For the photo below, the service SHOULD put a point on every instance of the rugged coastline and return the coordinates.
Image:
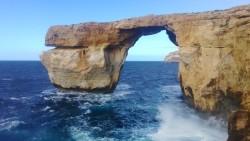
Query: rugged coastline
(214, 67)
(172, 57)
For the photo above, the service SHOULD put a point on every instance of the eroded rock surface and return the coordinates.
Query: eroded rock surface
(239, 126)
(172, 57)
(214, 56)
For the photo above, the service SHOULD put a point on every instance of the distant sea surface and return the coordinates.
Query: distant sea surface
(147, 105)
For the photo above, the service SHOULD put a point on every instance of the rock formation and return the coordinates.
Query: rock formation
(172, 57)
(214, 58)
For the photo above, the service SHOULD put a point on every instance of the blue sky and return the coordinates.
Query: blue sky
(24, 22)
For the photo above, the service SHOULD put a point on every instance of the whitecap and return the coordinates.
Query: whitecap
(6, 79)
(79, 135)
(85, 101)
(25, 98)
(121, 94)
(18, 99)
(123, 86)
(70, 92)
(9, 123)
(14, 98)
(100, 98)
(49, 91)
(61, 92)
(51, 111)
(88, 111)
(46, 108)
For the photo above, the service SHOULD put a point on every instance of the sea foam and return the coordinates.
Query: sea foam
(178, 122)
(9, 123)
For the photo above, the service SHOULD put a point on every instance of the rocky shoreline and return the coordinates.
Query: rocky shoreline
(214, 58)
(172, 57)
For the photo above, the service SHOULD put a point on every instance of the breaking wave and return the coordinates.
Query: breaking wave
(180, 123)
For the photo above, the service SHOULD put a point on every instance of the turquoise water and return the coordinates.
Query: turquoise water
(147, 105)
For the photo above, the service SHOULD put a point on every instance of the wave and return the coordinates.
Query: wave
(22, 99)
(9, 123)
(6, 79)
(79, 134)
(14, 98)
(178, 122)
(85, 99)
(57, 94)
(123, 86)
(62, 92)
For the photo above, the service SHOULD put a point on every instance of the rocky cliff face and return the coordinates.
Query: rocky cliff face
(172, 57)
(214, 58)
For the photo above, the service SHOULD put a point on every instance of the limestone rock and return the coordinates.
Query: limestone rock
(239, 126)
(214, 55)
(172, 57)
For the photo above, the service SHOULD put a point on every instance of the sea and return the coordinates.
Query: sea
(147, 105)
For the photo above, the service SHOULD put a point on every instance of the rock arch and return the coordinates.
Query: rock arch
(214, 57)
(96, 52)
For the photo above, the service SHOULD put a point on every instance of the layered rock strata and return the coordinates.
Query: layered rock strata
(172, 57)
(214, 58)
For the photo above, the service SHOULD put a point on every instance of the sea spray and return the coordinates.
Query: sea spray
(178, 122)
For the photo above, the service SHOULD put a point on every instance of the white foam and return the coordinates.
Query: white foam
(79, 135)
(62, 92)
(122, 90)
(123, 86)
(46, 108)
(121, 94)
(9, 123)
(25, 98)
(88, 111)
(51, 111)
(6, 79)
(20, 99)
(179, 123)
(57, 95)
(14, 98)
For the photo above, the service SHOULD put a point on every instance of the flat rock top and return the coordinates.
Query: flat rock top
(84, 34)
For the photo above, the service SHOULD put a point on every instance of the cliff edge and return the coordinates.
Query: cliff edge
(214, 58)
(173, 57)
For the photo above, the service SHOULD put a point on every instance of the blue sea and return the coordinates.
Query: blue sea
(147, 105)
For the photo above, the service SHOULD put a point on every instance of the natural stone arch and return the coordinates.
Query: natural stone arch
(116, 55)
(214, 57)
(94, 64)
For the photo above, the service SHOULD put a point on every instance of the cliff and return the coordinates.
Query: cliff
(172, 57)
(214, 58)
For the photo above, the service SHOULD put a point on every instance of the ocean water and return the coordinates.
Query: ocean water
(147, 105)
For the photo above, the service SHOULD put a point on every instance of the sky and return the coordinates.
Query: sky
(151, 48)
(24, 23)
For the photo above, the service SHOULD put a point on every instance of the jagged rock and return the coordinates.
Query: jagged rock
(214, 55)
(172, 57)
(239, 126)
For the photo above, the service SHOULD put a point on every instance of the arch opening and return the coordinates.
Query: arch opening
(156, 86)
(153, 47)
